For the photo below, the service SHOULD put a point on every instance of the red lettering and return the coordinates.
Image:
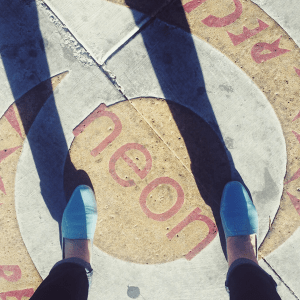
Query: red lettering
(17, 274)
(17, 294)
(120, 153)
(247, 33)
(297, 117)
(297, 135)
(195, 216)
(2, 188)
(3, 154)
(295, 201)
(213, 21)
(294, 177)
(97, 113)
(173, 210)
(10, 115)
(273, 48)
(190, 6)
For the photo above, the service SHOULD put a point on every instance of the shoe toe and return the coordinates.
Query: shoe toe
(238, 213)
(80, 215)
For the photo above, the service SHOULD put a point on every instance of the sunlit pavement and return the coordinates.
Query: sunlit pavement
(156, 105)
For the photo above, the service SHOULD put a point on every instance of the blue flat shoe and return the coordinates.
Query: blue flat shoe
(80, 216)
(238, 213)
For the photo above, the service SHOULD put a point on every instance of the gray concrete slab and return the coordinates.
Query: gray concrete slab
(283, 290)
(166, 62)
(147, 67)
(40, 172)
(226, 86)
(286, 262)
(57, 52)
(100, 26)
(286, 15)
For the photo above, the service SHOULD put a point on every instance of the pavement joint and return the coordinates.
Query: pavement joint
(152, 127)
(83, 51)
(92, 40)
(78, 49)
(132, 34)
(291, 291)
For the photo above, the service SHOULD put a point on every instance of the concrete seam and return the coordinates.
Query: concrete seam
(277, 275)
(133, 33)
(161, 139)
(111, 77)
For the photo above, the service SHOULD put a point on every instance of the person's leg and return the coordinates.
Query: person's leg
(246, 280)
(71, 277)
(67, 280)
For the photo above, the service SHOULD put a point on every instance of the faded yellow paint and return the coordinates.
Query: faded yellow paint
(123, 229)
(276, 78)
(14, 251)
(151, 122)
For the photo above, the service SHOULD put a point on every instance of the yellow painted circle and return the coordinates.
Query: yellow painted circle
(126, 228)
(277, 76)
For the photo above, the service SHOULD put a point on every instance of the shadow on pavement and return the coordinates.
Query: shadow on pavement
(176, 63)
(23, 55)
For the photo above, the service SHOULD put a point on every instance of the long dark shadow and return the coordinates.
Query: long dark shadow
(23, 54)
(176, 64)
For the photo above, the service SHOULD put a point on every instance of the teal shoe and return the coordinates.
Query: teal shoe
(80, 215)
(238, 213)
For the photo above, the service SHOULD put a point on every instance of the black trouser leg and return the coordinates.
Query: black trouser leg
(67, 280)
(248, 281)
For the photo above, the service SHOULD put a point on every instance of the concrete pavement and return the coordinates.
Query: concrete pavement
(156, 107)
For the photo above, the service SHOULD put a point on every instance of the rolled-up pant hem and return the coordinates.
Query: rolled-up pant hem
(248, 281)
(81, 262)
(69, 279)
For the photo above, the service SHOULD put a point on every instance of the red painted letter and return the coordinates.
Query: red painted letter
(297, 135)
(13, 277)
(17, 294)
(190, 6)
(297, 117)
(173, 210)
(213, 21)
(121, 153)
(100, 112)
(295, 201)
(247, 33)
(3, 154)
(294, 177)
(195, 216)
(10, 115)
(273, 48)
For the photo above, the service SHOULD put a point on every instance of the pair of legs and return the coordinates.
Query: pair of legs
(70, 278)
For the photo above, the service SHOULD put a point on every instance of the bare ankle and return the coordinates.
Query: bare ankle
(78, 248)
(243, 246)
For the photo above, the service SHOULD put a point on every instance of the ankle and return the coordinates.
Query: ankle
(241, 247)
(78, 248)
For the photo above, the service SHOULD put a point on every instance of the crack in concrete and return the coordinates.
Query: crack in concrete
(71, 46)
(79, 51)
(133, 33)
(102, 65)
(280, 278)
(119, 46)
